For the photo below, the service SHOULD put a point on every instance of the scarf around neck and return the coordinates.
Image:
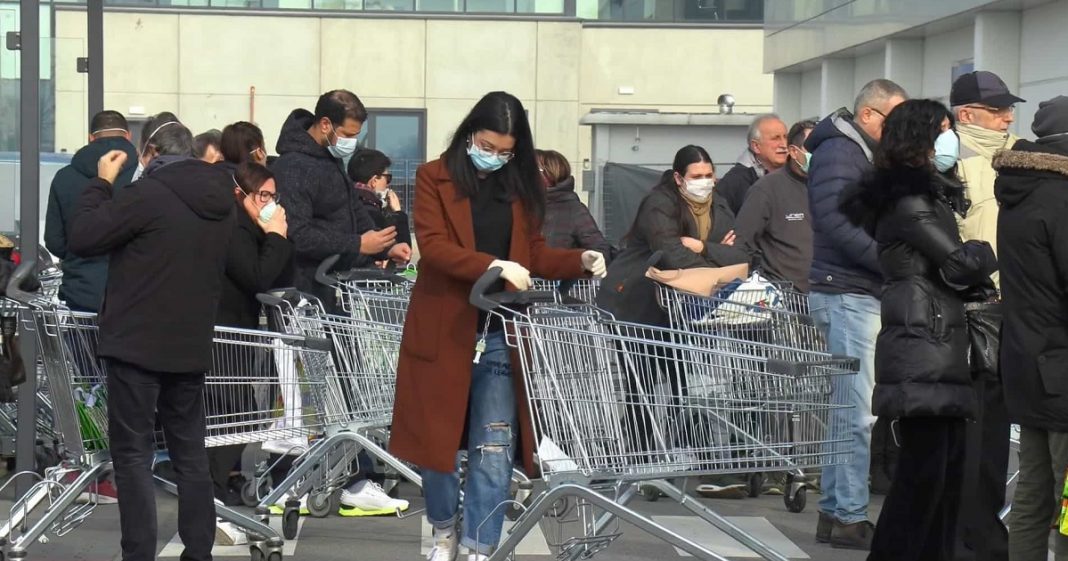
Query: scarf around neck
(702, 213)
(985, 142)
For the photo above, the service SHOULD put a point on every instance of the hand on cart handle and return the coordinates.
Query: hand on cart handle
(489, 302)
(593, 261)
(23, 277)
(512, 272)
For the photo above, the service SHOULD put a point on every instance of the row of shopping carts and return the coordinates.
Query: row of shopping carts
(739, 383)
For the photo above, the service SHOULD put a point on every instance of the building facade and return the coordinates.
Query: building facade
(820, 52)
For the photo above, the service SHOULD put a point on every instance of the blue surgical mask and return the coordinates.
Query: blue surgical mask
(344, 147)
(947, 150)
(804, 162)
(485, 161)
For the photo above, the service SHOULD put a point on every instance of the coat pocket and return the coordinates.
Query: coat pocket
(1053, 370)
(422, 328)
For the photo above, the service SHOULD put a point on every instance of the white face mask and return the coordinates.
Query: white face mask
(700, 188)
(268, 211)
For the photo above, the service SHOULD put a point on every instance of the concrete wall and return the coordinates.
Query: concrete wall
(1043, 72)
(940, 52)
(202, 67)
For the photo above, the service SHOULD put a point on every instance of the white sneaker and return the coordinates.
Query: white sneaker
(446, 543)
(287, 447)
(228, 534)
(476, 557)
(366, 498)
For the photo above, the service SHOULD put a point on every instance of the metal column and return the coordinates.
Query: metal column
(29, 215)
(95, 17)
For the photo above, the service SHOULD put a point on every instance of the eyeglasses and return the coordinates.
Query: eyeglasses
(388, 177)
(999, 111)
(267, 196)
(881, 114)
(506, 155)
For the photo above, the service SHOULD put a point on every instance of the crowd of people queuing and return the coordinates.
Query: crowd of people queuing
(889, 215)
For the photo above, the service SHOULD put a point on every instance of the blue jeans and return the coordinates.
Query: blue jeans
(851, 323)
(490, 453)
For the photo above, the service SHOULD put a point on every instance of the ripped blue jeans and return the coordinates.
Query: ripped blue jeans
(491, 447)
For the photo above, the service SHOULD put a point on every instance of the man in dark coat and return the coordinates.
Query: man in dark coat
(844, 300)
(1032, 188)
(325, 216)
(764, 153)
(167, 236)
(775, 225)
(84, 277)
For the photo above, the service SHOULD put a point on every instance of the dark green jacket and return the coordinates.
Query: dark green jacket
(83, 277)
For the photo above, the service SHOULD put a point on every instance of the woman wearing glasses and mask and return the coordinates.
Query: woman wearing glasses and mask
(480, 206)
(259, 258)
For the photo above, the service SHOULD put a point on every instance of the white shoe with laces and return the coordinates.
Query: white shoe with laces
(446, 544)
(367, 498)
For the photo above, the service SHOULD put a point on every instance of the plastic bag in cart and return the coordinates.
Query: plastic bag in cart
(91, 407)
(740, 303)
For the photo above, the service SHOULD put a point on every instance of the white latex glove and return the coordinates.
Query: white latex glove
(514, 273)
(593, 261)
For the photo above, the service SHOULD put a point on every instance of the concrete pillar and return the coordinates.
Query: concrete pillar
(787, 96)
(904, 64)
(836, 85)
(997, 46)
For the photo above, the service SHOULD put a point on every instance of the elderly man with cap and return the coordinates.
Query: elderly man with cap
(1032, 188)
(984, 108)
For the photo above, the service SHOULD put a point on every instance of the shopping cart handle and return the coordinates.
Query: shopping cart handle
(24, 274)
(319, 344)
(321, 272)
(277, 297)
(490, 302)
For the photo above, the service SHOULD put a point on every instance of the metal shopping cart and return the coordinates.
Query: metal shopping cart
(745, 318)
(575, 291)
(619, 403)
(240, 363)
(357, 405)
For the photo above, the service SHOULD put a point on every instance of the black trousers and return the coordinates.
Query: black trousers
(919, 516)
(135, 397)
(983, 537)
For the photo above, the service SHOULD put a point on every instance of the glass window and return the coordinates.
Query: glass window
(675, 11)
(439, 5)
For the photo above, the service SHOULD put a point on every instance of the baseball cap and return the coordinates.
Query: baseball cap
(981, 87)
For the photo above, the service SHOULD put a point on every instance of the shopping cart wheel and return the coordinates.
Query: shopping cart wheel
(795, 497)
(756, 484)
(522, 493)
(290, 522)
(320, 505)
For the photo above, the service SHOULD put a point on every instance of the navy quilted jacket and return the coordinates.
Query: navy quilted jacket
(845, 257)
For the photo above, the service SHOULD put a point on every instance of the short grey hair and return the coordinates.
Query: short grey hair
(754, 127)
(174, 140)
(876, 93)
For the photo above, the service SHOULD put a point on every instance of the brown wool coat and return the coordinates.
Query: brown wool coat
(434, 371)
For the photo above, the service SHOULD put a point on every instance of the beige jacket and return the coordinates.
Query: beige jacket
(977, 174)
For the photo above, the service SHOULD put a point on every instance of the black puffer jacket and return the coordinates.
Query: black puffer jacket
(662, 220)
(1032, 188)
(921, 355)
(568, 223)
(324, 215)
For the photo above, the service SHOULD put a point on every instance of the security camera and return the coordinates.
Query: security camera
(726, 104)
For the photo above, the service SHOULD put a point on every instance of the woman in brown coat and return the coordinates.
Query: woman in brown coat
(480, 206)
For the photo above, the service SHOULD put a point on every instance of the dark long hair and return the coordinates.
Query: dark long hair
(501, 113)
(686, 156)
(909, 134)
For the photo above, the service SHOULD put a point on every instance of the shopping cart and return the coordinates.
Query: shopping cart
(241, 362)
(376, 295)
(357, 405)
(626, 404)
(575, 291)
